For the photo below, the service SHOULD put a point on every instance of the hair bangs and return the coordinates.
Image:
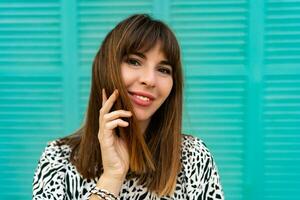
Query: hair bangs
(142, 38)
(169, 46)
(145, 34)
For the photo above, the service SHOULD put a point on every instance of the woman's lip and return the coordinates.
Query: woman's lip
(139, 101)
(140, 93)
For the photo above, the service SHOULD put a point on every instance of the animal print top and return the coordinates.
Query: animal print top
(56, 178)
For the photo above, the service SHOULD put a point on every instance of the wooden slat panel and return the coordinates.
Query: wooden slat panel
(213, 37)
(31, 89)
(281, 138)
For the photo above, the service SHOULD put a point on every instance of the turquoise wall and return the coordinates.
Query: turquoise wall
(242, 92)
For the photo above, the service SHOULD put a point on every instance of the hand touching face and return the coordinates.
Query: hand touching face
(114, 151)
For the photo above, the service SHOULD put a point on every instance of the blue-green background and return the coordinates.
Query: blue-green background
(242, 93)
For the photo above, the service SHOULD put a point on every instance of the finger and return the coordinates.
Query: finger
(116, 114)
(110, 102)
(104, 97)
(115, 123)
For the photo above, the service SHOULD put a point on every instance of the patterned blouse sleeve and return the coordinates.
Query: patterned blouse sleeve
(203, 180)
(48, 180)
(213, 185)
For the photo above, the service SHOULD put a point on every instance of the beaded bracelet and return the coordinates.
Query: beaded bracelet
(104, 194)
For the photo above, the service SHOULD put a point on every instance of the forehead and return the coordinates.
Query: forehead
(154, 50)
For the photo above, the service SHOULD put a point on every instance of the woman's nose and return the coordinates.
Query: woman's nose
(148, 77)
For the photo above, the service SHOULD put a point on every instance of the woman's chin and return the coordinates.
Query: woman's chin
(141, 115)
(143, 120)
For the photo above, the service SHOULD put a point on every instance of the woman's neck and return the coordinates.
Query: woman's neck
(143, 125)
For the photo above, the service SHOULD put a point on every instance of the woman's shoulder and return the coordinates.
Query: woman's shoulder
(49, 176)
(194, 150)
(199, 169)
(193, 143)
(57, 152)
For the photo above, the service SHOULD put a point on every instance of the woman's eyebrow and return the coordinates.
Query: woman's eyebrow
(138, 54)
(165, 62)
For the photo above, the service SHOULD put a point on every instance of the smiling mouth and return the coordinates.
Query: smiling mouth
(142, 97)
(140, 100)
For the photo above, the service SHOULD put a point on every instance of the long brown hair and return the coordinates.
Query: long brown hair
(155, 155)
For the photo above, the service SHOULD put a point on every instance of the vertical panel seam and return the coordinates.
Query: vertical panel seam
(254, 112)
(70, 64)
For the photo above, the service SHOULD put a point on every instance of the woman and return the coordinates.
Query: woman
(131, 145)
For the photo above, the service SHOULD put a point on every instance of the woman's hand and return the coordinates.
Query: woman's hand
(114, 151)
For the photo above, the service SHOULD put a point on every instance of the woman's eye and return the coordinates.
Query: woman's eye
(133, 62)
(165, 71)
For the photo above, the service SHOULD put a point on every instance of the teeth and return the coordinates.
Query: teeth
(143, 98)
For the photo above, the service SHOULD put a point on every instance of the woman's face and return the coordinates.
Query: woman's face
(148, 79)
